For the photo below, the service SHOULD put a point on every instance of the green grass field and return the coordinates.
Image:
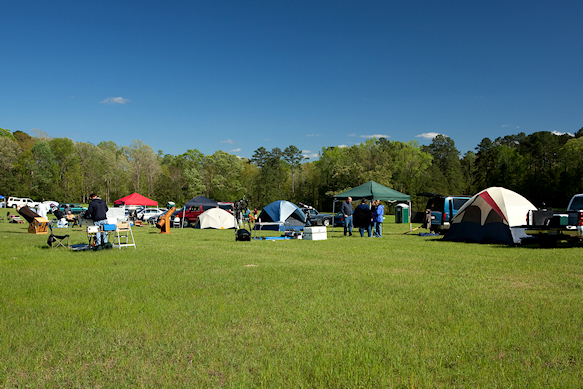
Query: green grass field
(194, 308)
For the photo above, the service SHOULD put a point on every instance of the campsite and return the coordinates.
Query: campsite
(195, 308)
(291, 194)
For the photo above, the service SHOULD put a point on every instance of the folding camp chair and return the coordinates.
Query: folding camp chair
(123, 230)
(55, 241)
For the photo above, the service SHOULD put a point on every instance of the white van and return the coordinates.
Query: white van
(15, 202)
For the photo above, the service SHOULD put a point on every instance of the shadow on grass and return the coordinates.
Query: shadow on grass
(530, 245)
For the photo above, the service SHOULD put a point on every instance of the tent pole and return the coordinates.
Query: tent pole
(333, 213)
(410, 221)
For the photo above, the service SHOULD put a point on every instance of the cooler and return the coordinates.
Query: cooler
(315, 233)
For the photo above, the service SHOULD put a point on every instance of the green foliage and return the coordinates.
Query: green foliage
(270, 182)
(542, 166)
(44, 170)
(143, 167)
(293, 156)
(9, 153)
(445, 171)
(4, 133)
(222, 176)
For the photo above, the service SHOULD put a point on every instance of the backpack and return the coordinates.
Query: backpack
(242, 235)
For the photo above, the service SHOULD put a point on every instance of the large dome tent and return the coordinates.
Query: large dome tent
(287, 214)
(494, 215)
(216, 218)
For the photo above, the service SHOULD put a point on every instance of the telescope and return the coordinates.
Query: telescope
(37, 224)
(164, 221)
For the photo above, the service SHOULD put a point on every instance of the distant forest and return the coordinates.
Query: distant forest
(542, 166)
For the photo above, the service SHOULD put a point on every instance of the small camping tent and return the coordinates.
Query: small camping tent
(216, 218)
(287, 214)
(135, 199)
(495, 215)
(373, 190)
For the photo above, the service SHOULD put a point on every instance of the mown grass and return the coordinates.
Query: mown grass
(196, 309)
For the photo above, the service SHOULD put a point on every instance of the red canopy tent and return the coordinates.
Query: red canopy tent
(135, 199)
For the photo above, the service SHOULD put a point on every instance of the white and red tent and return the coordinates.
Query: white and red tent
(494, 215)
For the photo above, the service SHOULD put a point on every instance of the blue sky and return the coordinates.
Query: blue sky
(238, 75)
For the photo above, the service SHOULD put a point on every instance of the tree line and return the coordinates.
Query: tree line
(542, 166)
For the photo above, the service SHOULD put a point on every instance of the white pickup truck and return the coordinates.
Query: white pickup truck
(552, 226)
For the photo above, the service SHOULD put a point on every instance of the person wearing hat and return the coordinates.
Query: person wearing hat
(97, 211)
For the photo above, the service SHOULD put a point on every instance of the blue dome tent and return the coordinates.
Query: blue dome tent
(284, 212)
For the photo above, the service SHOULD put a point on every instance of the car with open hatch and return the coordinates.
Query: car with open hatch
(443, 209)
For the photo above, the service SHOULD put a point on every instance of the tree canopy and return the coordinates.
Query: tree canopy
(543, 167)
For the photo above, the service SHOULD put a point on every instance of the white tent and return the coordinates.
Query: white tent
(216, 218)
(495, 215)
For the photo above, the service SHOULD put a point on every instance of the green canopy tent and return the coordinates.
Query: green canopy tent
(373, 190)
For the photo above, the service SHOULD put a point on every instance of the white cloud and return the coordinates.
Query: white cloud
(306, 151)
(114, 100)
(311, 156)
(378, 136)
(342, 146)
(351, 134)
(427, 135)
(505, 125)
(562, 133)
(235, 150)
(229, 141)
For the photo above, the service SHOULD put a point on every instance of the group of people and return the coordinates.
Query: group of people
(249, 216)
(63, 217)
(364, 217)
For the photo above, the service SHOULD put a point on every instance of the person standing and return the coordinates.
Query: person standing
(42, 209)
(346, 210)
(378, 217)
(363, 218)
(97, 211)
